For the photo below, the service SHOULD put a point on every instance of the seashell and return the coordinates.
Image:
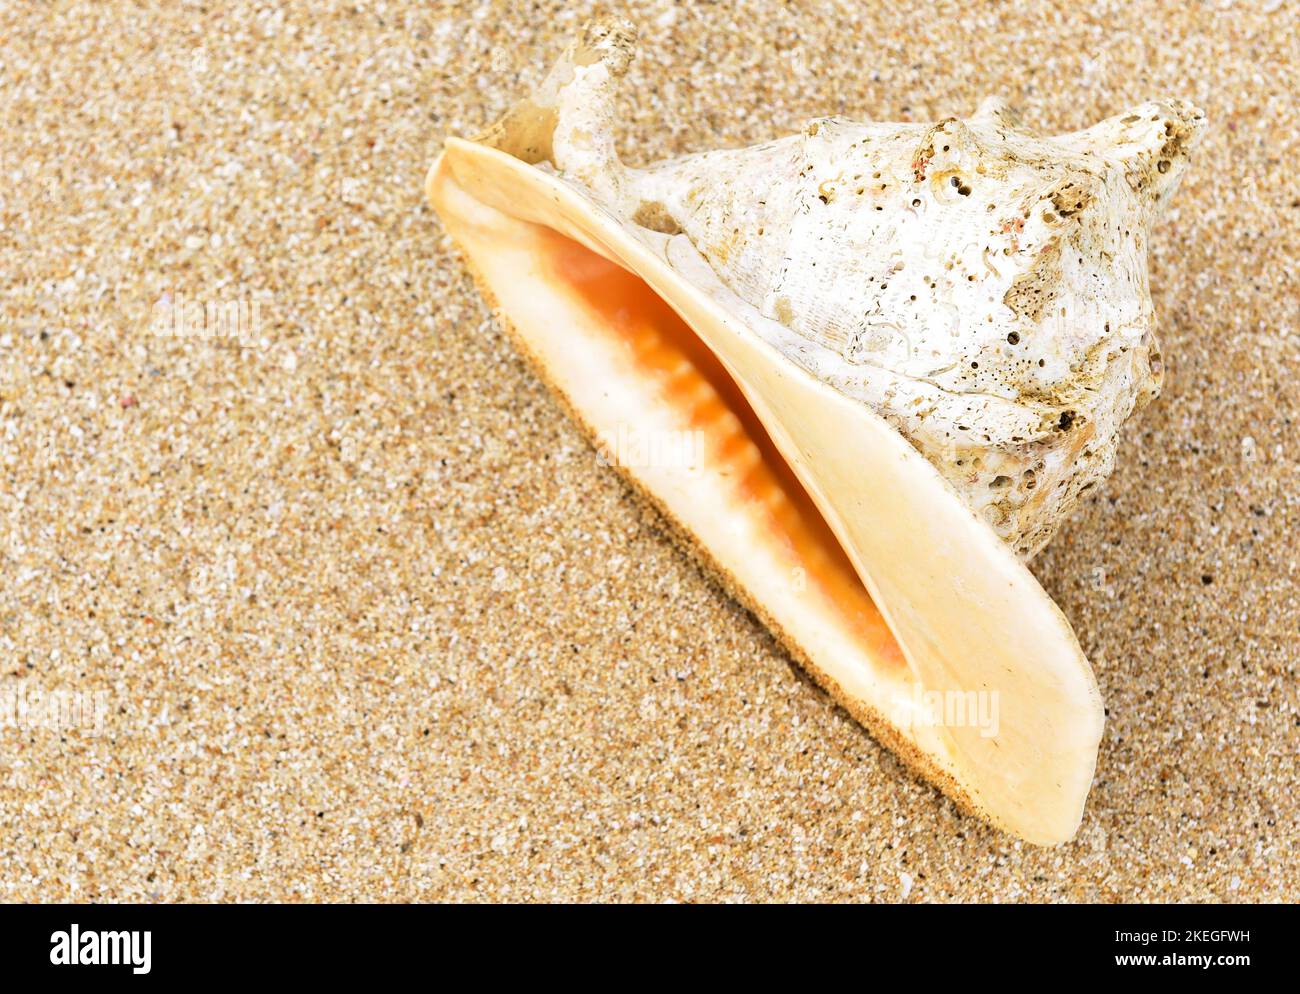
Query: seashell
(905, 351)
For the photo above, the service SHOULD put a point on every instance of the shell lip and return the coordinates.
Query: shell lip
(983, 554)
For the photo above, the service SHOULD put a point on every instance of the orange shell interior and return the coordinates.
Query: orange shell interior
(664, 350)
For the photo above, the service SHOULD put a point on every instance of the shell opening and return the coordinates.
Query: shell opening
(737, 461)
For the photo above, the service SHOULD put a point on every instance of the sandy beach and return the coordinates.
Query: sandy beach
(309, 590)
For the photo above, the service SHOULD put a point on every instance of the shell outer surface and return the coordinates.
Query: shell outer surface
(982, 287)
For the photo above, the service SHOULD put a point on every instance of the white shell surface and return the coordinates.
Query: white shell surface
(982, 287)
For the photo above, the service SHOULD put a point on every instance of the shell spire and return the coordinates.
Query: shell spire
(569, 120)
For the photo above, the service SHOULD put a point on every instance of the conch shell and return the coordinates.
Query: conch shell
(907, 349)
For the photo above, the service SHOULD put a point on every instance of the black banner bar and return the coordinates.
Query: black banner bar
(143, 944)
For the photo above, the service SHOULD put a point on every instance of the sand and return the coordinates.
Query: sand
(344, 608)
